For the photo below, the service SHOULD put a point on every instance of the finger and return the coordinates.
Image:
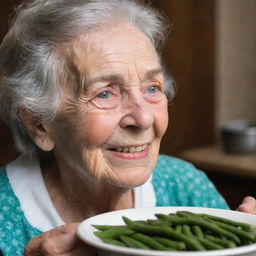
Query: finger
(33, 248)
(61, 240)
(54, 242)
(248, 205)
(82, 251)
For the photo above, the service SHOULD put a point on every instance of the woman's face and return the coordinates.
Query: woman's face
(110, 126)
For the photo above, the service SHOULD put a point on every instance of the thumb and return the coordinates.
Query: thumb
(248, 205)
(65, 238)
(59, 241)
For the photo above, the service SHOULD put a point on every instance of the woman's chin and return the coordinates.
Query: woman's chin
(131, 178)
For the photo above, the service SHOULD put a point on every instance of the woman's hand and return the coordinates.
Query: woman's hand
(59, 241)
(248, 205)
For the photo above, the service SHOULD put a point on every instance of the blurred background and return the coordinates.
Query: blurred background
(211, 53)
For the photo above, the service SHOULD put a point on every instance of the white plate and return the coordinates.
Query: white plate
(86, 231)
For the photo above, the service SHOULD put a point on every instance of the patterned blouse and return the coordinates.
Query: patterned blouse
(175, 183)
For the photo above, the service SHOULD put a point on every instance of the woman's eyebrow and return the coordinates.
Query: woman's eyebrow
(120, 79)
(106, 78)
(151, 73)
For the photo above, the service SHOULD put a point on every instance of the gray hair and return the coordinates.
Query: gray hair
(31, 68)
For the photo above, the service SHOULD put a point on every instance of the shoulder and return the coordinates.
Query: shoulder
(7, 197)
(172, 167)
(176, 173)
(5, 187)
(15, 231)
(180, 183)
(170, 162)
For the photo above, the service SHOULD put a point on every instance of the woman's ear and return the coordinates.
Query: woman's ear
(39, 132)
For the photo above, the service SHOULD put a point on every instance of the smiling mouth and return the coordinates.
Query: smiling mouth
(130, 149)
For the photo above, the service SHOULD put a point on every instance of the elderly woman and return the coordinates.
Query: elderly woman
(85, 93)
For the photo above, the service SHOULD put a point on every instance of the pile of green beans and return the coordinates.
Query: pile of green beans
(182, 231)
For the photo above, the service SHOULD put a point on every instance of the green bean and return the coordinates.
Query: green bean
(178, 228)
(170, 243)
(141, 221)
(187, 231)
(236, 228)
(209, 244)
(178, 231)
(166, 217)
(113, 242)
(157, 222)
(223, 242)
(163, 230)
(113, 232)
(105, 227)
(197, 231)
(239, 232)
(246, 242)
(193, 220)
(130, 242)
(244, 226)
(153, 244)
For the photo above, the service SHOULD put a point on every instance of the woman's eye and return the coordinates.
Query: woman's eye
(107, 99)
(105, 95)
(153, 89)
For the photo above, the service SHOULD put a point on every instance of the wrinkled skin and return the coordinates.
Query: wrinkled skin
(60, 241)
(248, 205)
(63, 240)
(123, 105)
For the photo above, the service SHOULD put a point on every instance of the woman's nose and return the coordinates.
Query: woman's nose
(137, 114)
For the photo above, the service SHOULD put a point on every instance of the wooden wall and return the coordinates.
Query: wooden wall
(189, 55)
(7, 148)
(235, 60)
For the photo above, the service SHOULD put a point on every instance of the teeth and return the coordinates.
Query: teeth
(131, 149)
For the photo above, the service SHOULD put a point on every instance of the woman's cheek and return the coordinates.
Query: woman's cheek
(94, 163)
(97, 128)
(165, 122)
(161, 119)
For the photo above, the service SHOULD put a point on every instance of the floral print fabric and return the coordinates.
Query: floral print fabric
(176, 183)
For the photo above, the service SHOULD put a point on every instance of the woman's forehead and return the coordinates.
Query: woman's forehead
(111, 47)
(124, 37)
